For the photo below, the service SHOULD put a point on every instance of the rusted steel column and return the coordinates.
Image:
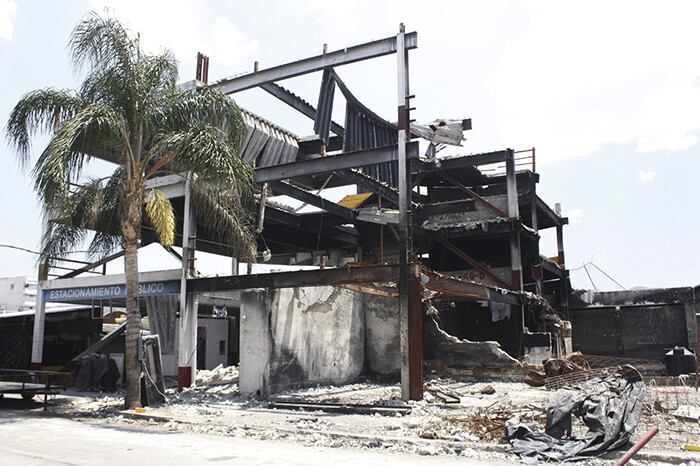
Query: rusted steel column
(415, 334)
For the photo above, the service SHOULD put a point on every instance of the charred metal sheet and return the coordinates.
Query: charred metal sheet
(333, 163)
(339, 276)
(298, 103)
(364, 129)
(322, 120)
(347, 55)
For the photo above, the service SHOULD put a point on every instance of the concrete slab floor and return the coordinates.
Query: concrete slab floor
(28, 438)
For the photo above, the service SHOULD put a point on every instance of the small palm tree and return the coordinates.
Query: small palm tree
(129, 111)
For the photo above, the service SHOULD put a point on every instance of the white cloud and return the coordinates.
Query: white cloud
(646, 177)
(229, 44)
(8, 8)
(587, 75)
(574, 216)
(182, 27)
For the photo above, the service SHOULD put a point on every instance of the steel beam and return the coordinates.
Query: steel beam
(318, 277)
(373, 185)
(455, 287)
(298, 104)
(287, 189)
(473, 194)
(458, 163)
(470, 260)
(344, 161)
(344, 56)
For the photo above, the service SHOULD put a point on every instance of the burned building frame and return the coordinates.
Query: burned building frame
(453, 236)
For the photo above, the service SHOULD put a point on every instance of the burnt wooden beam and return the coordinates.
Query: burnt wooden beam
(320, 277)
(333, 163)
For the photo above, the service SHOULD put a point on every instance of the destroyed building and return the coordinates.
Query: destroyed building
(427, 260)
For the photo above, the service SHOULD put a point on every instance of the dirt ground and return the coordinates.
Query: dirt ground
(455, 418)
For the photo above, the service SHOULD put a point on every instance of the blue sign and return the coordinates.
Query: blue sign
(110, 291)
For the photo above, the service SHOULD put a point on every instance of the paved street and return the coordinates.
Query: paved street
(37, 438)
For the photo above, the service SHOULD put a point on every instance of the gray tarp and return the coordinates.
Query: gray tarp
(609, 407)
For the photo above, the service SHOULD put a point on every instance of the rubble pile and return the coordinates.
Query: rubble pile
(455, 418)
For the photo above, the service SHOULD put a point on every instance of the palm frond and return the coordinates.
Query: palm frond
(98, 42)
(205, 150)
(41, 110)
(94, 129)
(160, 213)
(225, 217)
(206, 107)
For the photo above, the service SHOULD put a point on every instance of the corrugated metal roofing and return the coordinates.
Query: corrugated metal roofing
(266, 143)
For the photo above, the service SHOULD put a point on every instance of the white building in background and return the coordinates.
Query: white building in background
(17, 294)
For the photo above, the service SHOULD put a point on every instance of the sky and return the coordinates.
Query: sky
(607, 92)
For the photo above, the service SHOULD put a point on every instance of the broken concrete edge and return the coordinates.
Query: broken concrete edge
(146, 416)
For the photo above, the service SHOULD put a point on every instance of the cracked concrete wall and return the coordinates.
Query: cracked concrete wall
(317, 336)
(451, 351)
(382, 339)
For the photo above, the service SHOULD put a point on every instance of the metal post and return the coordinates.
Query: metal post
(39, 314)
(513, 214)
(38, 334)
(535, 226)
(187, 348)
(411, 336)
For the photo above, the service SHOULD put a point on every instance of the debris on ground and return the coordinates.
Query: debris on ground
(609, 407)
(454, 418)
(488, 390)
(220, 375)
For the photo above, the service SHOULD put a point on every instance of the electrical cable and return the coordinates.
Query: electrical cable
(611, 278)
(589, 277)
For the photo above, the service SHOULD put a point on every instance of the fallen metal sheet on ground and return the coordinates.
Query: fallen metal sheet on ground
(348, 408)
(610, 407)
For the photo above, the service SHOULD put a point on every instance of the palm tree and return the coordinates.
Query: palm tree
(129, 111)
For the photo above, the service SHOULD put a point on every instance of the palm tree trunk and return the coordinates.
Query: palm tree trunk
(131, 222)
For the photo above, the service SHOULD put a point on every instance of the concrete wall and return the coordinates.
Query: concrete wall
(317, 335)
(302, 336)
(634, 324)
(382, 339)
